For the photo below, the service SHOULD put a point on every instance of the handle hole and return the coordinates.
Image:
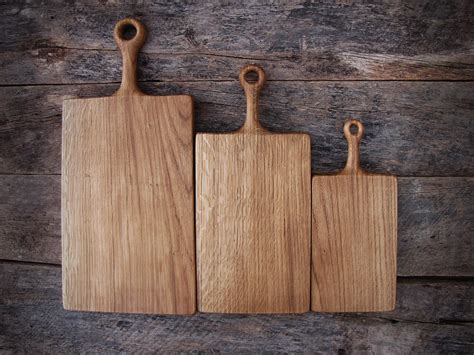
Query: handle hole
(251, 77)
(127, 32)
(354, 129)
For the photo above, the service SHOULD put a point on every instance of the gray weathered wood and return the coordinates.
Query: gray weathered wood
(32, 319)
(30, 218)
(436, 223)
(436, 226)
(412, 128)
(58, 65)
(193, 41)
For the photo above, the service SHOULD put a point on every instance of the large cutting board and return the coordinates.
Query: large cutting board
(127, 197)
(253, 216)
(354, 245)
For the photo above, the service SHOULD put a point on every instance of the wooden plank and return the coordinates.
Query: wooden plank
(296, 40)
(61, 65)
(436, 221)
(430, 317)
(253, 216)
(354, 236)
(30, 218)
(421, 128)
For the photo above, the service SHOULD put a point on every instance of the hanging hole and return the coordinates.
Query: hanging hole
(354, 129)
(251, 77)
(127, 32)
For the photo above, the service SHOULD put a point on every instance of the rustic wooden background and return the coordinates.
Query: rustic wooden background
(405, 68)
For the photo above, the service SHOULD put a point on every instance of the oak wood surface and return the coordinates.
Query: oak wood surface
(354, 236)
(253, 218)
(127, 198)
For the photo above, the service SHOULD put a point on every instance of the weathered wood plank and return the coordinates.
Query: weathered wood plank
(30, 218)
(32, 319)
(412, 128)
(436, 226)
(192, 41)
(436, 223)
(58, 65)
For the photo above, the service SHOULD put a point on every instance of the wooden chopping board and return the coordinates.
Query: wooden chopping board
(128, 197)
(354, 239)
(253, 216)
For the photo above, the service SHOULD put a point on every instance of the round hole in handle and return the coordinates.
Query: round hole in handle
(252, 75)
(353, 128)
(127, 32)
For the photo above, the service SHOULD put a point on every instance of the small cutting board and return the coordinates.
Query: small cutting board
(128, 197)
(253, 216)
(354, 245)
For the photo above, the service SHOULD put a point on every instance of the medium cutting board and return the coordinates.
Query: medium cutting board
(253, 216)
(128, 197)
(354, 245)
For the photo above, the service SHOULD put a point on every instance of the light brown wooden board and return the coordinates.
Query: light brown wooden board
(354, 243)
(253, 217)
(128, 199)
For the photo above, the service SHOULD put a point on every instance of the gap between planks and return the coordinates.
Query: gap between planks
(230, 80)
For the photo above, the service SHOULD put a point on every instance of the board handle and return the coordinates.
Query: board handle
(130, 48)
(353, 141)
(252, 92)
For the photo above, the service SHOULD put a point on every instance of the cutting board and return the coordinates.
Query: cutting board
(354, 242)
(128, 197)
(253, 216)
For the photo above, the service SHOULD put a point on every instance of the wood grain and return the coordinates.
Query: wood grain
(431, 316)
(295, 40)
(127, 198)
(354, 249)
(435, 222)
(196, 50)
(253, 217)
(429, 123)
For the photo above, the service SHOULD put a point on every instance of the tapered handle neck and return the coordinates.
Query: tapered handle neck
(252, 92)
(353, 141)
(130, 47)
